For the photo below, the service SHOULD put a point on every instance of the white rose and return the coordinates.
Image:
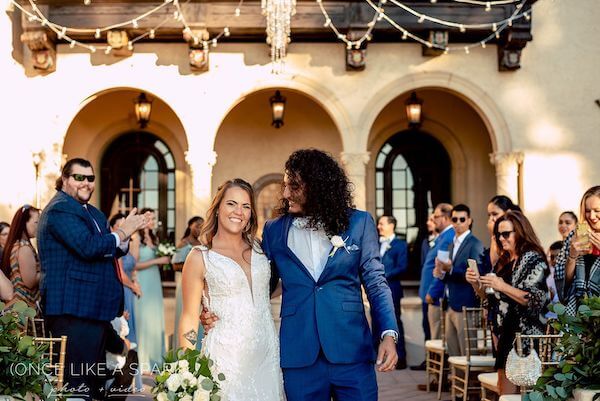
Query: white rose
(186, 397)
(188, 379)
(173, 382)
(337, 241)
(184, 365)
(162, 396)
(201, 395)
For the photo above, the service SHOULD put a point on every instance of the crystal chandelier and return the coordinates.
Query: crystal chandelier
(279, 15)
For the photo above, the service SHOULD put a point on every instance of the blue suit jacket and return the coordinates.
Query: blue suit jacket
(395, 261)
(429, 284)
(77, 262)
(460, 292)
(328, 314)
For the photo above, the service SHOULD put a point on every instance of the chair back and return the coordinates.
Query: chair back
(543, 344)
(478, 338)
(55, 354)
(36, 327)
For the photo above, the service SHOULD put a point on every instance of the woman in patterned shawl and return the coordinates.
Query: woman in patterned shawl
(577, 270)
(520, 298)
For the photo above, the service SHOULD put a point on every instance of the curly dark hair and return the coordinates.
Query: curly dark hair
(327, 190)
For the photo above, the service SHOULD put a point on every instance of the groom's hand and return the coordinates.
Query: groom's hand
(387, 356)
(208, 319)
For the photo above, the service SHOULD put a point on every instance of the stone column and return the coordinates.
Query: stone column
(355, 165)
(508, 169)
(201, 166)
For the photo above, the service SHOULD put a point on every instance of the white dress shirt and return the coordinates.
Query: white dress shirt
(458, 242)
(385, 244)
(310, 245)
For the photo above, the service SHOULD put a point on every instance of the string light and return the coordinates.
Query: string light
(379, 15)
(87, 2)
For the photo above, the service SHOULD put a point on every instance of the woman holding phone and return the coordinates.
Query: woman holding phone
(577, 270)
(518, 302)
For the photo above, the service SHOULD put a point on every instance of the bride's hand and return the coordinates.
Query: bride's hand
(207, 319)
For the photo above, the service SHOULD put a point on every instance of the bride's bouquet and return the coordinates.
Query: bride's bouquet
(186, 376)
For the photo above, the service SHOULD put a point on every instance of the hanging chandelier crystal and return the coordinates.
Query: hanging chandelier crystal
(279, 16)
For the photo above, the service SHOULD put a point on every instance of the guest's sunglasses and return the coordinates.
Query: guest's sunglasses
(81, 177)
(505, 234)
(457, 219)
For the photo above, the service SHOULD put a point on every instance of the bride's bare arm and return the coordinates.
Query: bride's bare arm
(192, 285)
(278, 290)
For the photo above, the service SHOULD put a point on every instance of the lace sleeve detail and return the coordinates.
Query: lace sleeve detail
(531, 278)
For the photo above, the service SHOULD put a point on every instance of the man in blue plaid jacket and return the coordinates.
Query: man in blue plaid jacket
(81, 287)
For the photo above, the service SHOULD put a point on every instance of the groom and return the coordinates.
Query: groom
(324, 250)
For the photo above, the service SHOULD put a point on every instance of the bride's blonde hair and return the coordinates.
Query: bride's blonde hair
(211, 224)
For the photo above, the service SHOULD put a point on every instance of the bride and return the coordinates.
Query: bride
(230, 275)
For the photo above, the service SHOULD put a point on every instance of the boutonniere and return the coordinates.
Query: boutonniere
(338, 243)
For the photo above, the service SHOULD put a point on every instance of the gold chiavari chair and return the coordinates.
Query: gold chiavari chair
(478, 358)
(55, 353)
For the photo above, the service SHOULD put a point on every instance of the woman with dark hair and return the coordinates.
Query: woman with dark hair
(577, 270)
(4, 228)
(230, 275)
(6, 288)
(188, 241)
(516, 294)
(20, 261)
(497, 207)
(567, 221)
(149, 308)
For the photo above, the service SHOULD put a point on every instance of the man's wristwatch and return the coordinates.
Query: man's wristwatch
(392, 334)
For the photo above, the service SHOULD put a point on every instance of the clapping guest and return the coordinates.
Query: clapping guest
(517, 295)
(149, 309)
(20, 261)
(188, 241)
(577, 270)
(567, 221)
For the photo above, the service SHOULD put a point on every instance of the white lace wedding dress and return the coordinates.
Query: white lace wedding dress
(243, 344)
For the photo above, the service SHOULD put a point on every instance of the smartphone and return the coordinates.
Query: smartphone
(472, 263)
(583, 236)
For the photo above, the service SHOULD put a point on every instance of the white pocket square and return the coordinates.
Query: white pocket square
(353, 247)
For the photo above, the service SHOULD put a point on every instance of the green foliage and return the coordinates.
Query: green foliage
(21, 361)
(579, 351)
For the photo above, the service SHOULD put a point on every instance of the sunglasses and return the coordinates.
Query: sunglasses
(505, 234)
(82, 177)
(457, 219)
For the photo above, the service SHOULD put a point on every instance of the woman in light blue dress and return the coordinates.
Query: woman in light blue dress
(189, 240)
(131, 290)
(149, 308)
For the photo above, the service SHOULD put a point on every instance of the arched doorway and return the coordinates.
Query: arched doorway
(138, 170)
(249, 147)
(412, 175)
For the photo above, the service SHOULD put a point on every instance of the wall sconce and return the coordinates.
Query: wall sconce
(143, 108)
(413, 110)
(37, 158)
(278, 109)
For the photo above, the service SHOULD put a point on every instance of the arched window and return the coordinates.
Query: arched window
(138, 170)
(412, 175)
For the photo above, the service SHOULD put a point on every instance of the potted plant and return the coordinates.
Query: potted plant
(22, 374)
(579, 351)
